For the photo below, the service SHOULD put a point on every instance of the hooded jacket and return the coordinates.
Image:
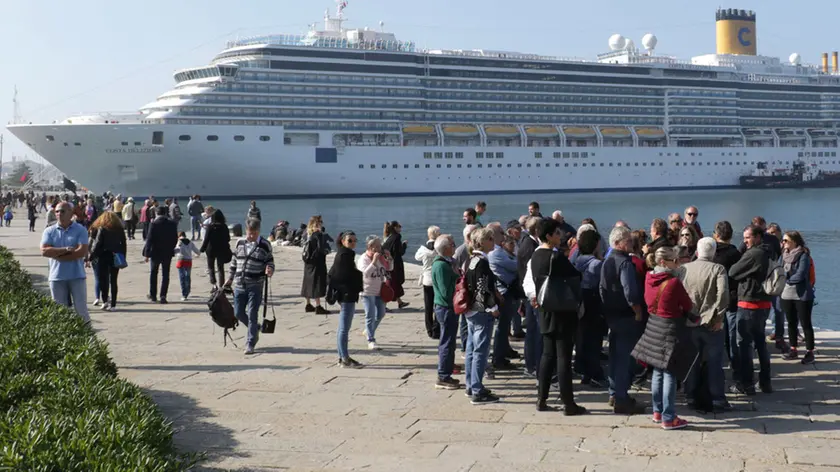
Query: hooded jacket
(426, 255)
(727, 255)
(750, 272)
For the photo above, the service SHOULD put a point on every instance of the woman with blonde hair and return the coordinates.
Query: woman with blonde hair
(394, 244)
(315, 267)
(426, 255)
(107, 252)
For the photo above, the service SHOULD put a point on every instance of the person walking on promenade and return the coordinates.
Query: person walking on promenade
(252, 262)
(727, 255)
(315, 267)
(253, 211)
(108, 242)
(393, 243)
(481, 285)
(533, 339)
(444, 279)
(43, 202)
(129, 217)
(51, 218)
(426, 255)
(117, 206)
(66, 245)
(503, 264)
(374, 265)
(216, 246)
(8, 215)
(144, 218)
(347, 281)
(707, 285)
(32, 215)
(558, 328)
(184, 252)
(623, 310)
(591, 327)
(753, 309)
(798, 295)
(195, 208)
(175, 211)
(662, 345)
(160, 249)
(690, 220)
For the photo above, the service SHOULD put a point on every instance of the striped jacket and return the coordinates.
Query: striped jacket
(248, 267)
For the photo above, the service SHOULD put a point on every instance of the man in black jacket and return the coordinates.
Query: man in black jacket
(622, 299)
(160, 248)
(727, 255)
(753, 309)
(533, 339)
(658, 236)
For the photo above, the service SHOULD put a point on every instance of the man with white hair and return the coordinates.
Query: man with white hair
(707, 284)
(444, 279)
(622, 299)
(567, 229)
(426, 255)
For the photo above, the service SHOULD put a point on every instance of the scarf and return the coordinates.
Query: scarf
(791, 256)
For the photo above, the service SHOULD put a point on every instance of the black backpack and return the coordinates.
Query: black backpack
(221, 311)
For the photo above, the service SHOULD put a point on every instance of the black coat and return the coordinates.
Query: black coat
(542, 261)
(666, 345)
(395, 245)
(161, 240)
(727, 255)
(216, 241)
(527, 246)
(315, 267)
(344, 277)
(106, 242)
(750, 272)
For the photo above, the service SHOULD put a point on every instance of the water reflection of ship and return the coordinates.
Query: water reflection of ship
(801, 175)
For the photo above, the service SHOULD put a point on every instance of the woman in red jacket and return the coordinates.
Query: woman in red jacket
(663, 345)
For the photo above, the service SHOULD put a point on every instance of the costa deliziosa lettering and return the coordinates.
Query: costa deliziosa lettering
(136, 150)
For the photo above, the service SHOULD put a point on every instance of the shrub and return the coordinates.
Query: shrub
(62, 406)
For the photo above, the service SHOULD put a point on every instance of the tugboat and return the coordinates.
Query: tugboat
(801, 175)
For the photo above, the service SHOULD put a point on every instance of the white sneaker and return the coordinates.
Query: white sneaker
(97, 302)
(373, 347)
(249, 350)
(183, 299)
(106, 307)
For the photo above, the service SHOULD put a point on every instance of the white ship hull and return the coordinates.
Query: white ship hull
(257, 169)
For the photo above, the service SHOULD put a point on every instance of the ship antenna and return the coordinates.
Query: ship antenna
(16, 119)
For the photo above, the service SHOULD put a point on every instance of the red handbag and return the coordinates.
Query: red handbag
(387, 293)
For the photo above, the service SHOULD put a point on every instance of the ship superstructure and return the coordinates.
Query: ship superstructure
(341, 111)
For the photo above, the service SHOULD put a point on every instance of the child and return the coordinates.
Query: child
(7, 215)
(185, 250)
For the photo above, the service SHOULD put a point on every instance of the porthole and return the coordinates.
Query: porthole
(239, 138)
(265, 138)
(184, 137)
(50, 138)
(212, 137)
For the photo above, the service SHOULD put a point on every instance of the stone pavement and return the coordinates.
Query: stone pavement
(291, 408)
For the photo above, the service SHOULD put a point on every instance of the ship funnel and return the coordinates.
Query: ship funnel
(736, 32)
(834, 64)
(825, 62)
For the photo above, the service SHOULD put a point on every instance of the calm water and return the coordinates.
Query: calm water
(804, 210)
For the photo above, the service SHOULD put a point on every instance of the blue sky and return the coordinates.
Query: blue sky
(70, 57)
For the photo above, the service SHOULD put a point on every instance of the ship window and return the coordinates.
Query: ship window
(361, 166)
(212, 137)
(239, 138)
(438, 166)
(50, 138)
(480, 155)
(538, 164)
(448, 155)
(395, 166)
(469, 166)
(575, 155)
(405, 166)
(538, 155)
(157, 138)
(448, 166)
(611, 164)
(678, 164)
(125, 143)
(427, 155)
(557, 155)
(619, 164)
(500, 155)
(77, 144)
(565, 155)
(184, 137)
(416, 166)
(644, 164)
(575, 164)
(584, 154)
(137, 143)
(428, 166)
(265, 138)
(459, 155)
(566, 165)
(459, 166)
(518, 165)
(373, 166)
(479, 166)
(384, 166)
(438, 155)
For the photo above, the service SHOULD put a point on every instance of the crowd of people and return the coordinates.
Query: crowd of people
(673, 304)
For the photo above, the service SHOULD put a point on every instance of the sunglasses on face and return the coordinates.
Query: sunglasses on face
(685, 235)
(351, 241)
(691, 214)
(676, 221)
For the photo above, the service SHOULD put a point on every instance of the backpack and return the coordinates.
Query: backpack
(774, 282)
(461, 300)
(812, 272)
(221, 311)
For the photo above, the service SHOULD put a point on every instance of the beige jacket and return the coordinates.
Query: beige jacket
(707, 285)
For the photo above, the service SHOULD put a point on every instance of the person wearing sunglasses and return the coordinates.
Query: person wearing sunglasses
(798, 295)
(66, 245)
(688, 238)
(691, 214)
(346, 279)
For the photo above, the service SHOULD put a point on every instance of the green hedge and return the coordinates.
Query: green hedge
(62, 406)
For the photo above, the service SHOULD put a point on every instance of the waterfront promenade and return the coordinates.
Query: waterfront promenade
(291, 408)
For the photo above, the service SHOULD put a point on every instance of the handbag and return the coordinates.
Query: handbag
(387, 293)
(119, 260)
(560, 294)
(268, 325)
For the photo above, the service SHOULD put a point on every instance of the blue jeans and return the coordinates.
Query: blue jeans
(732, 337)
(63, 290)
(246, 306)
(345, 321)
(164, 265)
(462, 327)
(663, 389)
(533, 339)
(501, 339)
(750, 330)
(479, 329)
(625, 332)
(195, 226)
(778, 318)
(374, 312)
(184, 275)
(710, 347)
(448, 321)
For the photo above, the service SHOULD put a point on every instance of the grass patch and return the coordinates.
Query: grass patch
(62, 406)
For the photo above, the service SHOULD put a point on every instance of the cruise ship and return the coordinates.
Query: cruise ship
(344, 112)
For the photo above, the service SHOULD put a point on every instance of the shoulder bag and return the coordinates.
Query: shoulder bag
(559, 294)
